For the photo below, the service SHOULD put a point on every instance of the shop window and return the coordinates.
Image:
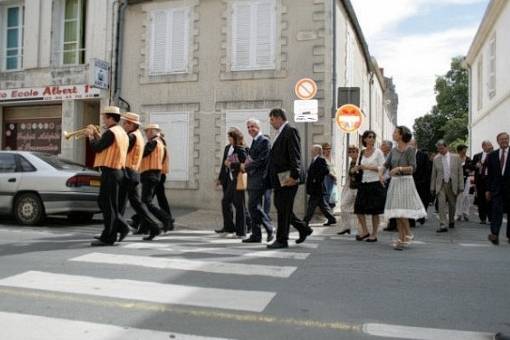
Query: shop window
(169, 31)
(253, 35)
(73, 42)
(13, 38)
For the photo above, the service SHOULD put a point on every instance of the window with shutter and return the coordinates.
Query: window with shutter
(13, 38)
(253, 35)
(492, 67)
(175, 127)
(479, 83)
(169, 41)
(73, 51)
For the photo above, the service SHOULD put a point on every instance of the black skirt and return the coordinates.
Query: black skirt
(370, 199)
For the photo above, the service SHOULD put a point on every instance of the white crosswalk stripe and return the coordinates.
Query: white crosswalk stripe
(14, 326)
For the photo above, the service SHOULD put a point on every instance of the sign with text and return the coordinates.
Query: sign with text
(99, 73)
(306, 111)
(49, 93)
(349, 118)
(38, 134)
(305, 89)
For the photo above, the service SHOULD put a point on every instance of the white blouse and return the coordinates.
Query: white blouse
(376, 159)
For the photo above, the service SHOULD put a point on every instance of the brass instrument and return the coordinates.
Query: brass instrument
(81, 132)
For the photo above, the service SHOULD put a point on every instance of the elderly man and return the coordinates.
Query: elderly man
(447, 182)
(479, 162)
(315, 187)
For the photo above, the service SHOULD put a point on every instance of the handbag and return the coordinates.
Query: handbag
(359, 175)
(242, 181)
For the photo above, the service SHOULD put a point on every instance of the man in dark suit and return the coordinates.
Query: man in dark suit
(283, 174)
(498, 191)
(315, 187)
(255, 167)
(421, 178)
(480, 165)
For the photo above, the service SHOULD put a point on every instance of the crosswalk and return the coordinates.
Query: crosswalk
(200, 252)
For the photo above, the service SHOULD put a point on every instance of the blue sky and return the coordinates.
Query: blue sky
(414, 40)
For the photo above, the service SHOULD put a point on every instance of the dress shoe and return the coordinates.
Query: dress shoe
(345, 231)
(270, 237)
(483, 222)
(328, 223)
(123, 234)
(442, 230)
(153, 234)
(451, 225)
(252, 240)
(100, 243)
(97, 237)
(501, 336)
(304, 235)
(277, 245)
(421, 220)
(494, 239)
(370, 240)
(168, 226)
(361, 238)
(223, 231)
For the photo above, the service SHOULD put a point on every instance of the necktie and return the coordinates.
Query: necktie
(502, 161)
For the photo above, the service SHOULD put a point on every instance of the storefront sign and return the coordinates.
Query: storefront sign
(49, 93)
(38, 134)
(99, 73)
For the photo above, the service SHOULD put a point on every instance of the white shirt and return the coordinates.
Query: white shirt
(446, 158)
(376, 159)
(504, 160)
(230, 152)
(280, 131)
(257, 136)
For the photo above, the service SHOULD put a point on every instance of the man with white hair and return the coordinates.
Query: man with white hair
(315, 187)
(479, 162)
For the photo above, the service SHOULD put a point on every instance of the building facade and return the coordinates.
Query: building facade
(489, 76)
(54, 57)
(200, 67)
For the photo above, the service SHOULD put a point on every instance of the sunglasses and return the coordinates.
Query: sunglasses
(371, 136)
(353, 151)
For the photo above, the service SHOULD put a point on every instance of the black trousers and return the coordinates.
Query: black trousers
(320, 201)
(161, 196)
(130, 191)
(150, 180)
(108, 201)
(233, 199)
(484, 206)
(257, 213)
(500, 207)
(284, 203)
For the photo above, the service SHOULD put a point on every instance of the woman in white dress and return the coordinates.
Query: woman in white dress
(402, 200)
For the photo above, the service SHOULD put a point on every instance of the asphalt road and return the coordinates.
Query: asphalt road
(53, 285)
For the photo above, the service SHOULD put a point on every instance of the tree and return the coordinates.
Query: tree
(448, 119)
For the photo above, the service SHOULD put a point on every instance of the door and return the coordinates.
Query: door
(9, 180)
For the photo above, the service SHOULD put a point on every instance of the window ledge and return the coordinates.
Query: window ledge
(168, 78)
(253, 74)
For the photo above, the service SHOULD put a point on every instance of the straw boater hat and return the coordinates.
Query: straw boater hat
(152, 126)
(131, 117)
(113, 110)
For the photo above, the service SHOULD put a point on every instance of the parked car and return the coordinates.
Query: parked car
(35, 184)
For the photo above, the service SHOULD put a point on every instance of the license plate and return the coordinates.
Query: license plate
(95, 183)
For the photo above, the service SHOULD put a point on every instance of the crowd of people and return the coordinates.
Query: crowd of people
(394, 184)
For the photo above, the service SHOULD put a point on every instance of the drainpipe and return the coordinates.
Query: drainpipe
(470, 110)
(370, 83)
(119, 39)
(333, 102)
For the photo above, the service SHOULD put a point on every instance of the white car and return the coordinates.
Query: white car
(34, 184)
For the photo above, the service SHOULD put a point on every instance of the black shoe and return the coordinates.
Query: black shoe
(277, 245)
(442, 230)
(252, 240)
(221, 231)
(421, 220)
(345, 231)
(483, 222)
(168, 226)
(151, 236)
(100, 243)
(451, 225)
(494, 239)
(123, 234)
(270, 237)
(304, 235)
(371, 240)
(390, 229)
(361, 238)
(501, 336)
(328, 223)
(97, 237)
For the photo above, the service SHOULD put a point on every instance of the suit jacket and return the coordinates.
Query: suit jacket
(259, 157)
(285, 156)
(315, 179)
(480, 178)
(498, 183)
(223, 176)
(456, 174)
(422, 174)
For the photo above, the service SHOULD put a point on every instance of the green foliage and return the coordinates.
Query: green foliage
(448, 119)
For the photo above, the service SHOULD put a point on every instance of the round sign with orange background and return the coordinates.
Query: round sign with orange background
(349, 118)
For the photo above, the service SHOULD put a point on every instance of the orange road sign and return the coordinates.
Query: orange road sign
(305, 89)
(349, 118)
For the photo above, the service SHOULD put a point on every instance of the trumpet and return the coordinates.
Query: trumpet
(81, 132)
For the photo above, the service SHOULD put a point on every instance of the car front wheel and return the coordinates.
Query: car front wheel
(28, 209)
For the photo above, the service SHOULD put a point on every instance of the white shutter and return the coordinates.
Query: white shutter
(492, 67)
(241, 33)
(265, 31)
(175, 126)
(179, 19)
(158, 62)
(238, 120)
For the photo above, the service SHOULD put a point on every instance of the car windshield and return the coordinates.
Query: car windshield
(58, 163)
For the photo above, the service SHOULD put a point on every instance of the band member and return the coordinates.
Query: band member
(111, 152)
(160, 188)
(129, 189)
(150, 169)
